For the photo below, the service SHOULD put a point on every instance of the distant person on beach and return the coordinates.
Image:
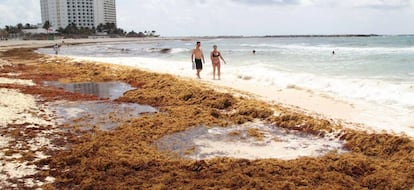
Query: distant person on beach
(56, 48)
(333, 52)
(254, 51)
(197, 57)
(215, 57)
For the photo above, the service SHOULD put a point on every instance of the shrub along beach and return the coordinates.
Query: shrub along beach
(39, 149)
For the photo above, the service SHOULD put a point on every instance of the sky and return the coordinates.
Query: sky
(244, 17)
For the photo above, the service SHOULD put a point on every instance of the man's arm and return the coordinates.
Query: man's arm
(192, 56)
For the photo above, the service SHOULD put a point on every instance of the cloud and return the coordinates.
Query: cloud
(262, 17)
(388, 5)
(268, 2)
(19, 11)
(370, 4)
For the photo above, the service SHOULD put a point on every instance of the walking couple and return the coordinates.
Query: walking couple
(197, 57)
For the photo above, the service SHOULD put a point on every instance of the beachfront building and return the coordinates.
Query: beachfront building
(105, 12)
(82, 13)
(54, 11)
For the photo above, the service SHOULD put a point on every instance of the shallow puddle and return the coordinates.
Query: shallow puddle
(111, 90)
(102, 114)
(250, 141)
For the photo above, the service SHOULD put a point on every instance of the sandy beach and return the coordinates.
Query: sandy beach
(40, 151)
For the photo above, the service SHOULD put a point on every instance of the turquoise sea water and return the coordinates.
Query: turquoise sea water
(378, 69)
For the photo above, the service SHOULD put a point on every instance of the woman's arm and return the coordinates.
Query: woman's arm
(221, 57)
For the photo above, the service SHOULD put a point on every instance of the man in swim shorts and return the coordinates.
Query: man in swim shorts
(197, 57)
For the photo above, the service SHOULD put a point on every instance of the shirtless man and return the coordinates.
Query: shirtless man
(197, 57)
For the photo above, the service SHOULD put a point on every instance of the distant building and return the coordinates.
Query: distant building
(105, 12)
(82, 13)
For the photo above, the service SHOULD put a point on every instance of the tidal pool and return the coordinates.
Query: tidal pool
(105, 115)
(111, 90)
(249, 141)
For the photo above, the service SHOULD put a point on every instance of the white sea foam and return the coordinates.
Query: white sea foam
(180, 50)
(325, 48)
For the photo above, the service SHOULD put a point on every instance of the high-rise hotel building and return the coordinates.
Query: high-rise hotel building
(83, 13)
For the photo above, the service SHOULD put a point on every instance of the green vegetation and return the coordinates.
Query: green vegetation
(108, 28)
(72, 31)
(46, 25)
(18, 28)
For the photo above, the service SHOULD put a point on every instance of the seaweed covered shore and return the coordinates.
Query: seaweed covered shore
(126, 157)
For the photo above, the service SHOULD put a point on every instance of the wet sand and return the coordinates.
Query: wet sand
(127, 157)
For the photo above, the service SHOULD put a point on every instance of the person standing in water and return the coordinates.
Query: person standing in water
(215, 57)
(197, 57)
(56, 49)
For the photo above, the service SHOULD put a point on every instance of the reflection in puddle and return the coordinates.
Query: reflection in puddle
(102, 114)
(252, 141)
(111, 90)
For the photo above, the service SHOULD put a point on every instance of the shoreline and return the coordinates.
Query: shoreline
(351, 113)
(14, 44)
(127, 157)
(354, 114)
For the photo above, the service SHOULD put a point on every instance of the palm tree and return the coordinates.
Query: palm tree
(100, 27)
(47, 25)
(61, 30)
(72, 28)
(19, 26)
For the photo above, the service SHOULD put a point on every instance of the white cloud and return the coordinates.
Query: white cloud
(269, 2)
(376, 4)
(383, 4)
(19, 11)
(249, 17)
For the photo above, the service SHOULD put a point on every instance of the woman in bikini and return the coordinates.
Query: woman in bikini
(215, 57)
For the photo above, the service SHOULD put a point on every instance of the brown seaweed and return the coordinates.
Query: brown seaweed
(126, 158)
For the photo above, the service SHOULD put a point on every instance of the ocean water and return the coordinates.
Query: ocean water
(378, 70)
